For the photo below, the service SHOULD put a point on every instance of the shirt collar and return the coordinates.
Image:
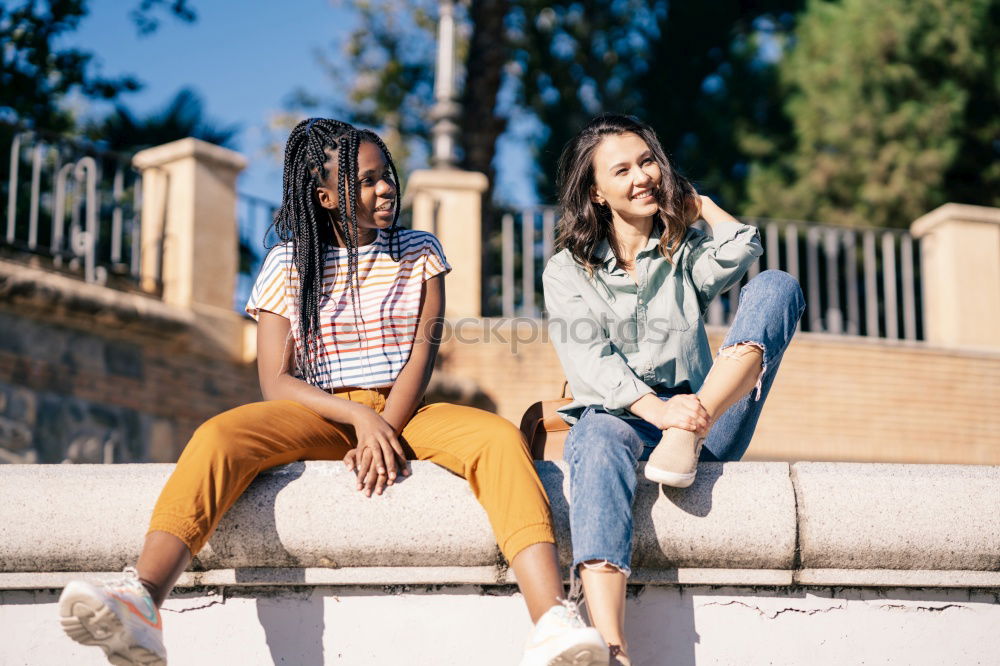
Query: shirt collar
(607, 257)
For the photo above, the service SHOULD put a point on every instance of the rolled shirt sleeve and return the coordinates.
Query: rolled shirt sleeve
(717, 262)
(595, 369)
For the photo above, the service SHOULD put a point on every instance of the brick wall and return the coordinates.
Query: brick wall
(87, 372)
(835, 398)
(84, 370)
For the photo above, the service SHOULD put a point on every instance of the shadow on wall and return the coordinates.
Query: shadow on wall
(646, 627)
(292, 617)
(457, 391)
(293, 625)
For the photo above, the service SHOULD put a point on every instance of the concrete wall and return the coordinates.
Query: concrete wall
(465, 624)
(756, 563)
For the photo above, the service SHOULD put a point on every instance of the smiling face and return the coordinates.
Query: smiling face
(376, 192)
(625, 177)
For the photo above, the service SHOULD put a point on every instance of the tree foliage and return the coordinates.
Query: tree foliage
(550, 57)
(36, 74)
(894, 109)
(183, 116)
(563, 61)
(712, 95)
(833, 110)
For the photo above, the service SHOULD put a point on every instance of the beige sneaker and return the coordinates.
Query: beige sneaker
(674, 461)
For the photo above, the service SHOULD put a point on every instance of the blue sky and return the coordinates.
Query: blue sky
(242, 58)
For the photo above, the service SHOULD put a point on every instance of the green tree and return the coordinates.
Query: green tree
(558, 59)
(893, 106)
(574, 60)
(36, 74)
(181, 117)
(713, 95)
(703, 74)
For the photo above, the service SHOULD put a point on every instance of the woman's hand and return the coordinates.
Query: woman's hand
(683, 411)
(378, 456)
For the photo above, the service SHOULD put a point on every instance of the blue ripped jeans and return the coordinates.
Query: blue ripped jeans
(603, 450)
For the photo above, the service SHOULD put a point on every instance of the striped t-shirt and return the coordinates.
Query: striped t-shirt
(368, 352)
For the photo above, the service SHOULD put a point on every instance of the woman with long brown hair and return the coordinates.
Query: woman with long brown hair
(625, 296)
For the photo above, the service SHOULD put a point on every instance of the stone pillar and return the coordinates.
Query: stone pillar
(189, 233)
(960, 266)
(448, 203)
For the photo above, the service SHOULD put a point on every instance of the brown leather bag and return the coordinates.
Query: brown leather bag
(544, 428)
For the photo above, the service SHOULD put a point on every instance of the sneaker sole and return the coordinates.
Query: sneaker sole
(88, 621)
(673, 479)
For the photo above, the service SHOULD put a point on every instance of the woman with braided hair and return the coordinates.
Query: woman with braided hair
(349, 309)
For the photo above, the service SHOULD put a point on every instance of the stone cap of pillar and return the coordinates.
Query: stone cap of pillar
(445, 179)
(924, 224)
(740, 524)
(189, 147)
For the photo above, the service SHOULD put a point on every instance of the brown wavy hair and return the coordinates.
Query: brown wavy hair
(584, 223)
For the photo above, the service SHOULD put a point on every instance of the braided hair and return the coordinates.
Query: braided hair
(309, 227)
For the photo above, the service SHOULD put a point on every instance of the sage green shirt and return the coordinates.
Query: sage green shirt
(619, 339)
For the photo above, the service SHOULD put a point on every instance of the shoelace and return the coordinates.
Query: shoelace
(573, 610)
(129, 580)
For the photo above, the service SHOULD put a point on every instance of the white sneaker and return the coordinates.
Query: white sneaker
(560, 638)
(119, 616)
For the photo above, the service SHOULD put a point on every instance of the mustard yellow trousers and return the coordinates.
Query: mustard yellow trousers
(229, 450)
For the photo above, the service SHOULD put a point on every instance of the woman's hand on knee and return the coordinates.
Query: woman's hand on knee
(682, 411)
(378, 457)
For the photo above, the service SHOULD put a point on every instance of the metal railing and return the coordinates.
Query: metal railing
(253, 216)
(72, 205)
(856, 281)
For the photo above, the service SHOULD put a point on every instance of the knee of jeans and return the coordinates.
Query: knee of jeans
(604, 449)
(781, 286)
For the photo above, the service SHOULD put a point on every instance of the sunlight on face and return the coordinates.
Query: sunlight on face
(376, 194)
(625, 177)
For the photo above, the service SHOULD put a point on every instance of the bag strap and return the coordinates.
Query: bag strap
(565, 391)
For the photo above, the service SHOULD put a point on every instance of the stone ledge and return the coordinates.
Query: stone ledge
(48, 293)
(742, 524)
(206, 329)
(910, 517)
(353, 576)
(897, 578)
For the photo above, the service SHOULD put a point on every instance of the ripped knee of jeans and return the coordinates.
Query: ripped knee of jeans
(602, 566)
(605, 566)
(740, 350)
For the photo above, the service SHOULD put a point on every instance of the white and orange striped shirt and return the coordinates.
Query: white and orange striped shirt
(370, 351)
